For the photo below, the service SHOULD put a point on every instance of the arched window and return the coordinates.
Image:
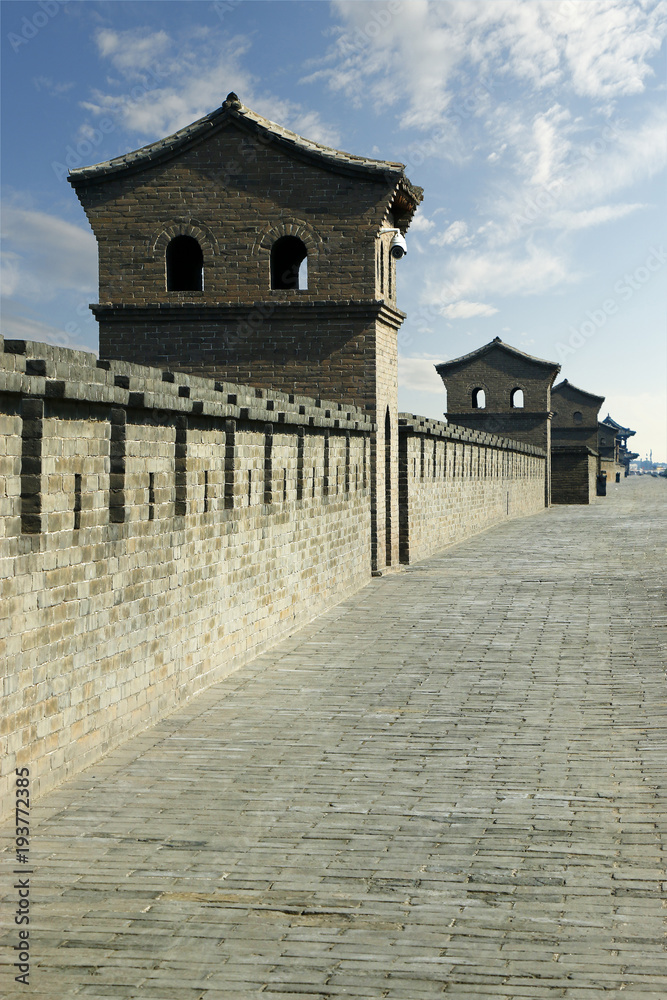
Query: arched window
(577, 416)
(289, 267)
(516, 399)
(478, 399)
(185, 265)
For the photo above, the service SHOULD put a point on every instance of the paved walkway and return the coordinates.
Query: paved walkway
(449, 785)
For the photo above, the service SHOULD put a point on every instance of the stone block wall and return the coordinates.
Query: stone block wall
(157, 530)
(455, 482)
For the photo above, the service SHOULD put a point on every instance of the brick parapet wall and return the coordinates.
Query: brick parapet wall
(35, 369)
(157, 531)
(455, 482)
(412, 423)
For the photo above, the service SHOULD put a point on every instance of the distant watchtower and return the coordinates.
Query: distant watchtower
(238, 250)
(574, 444)
(502, 391)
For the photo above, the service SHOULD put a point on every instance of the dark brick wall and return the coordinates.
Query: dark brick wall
(235, 195)
(573, 475)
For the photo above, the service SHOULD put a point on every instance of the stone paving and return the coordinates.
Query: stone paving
(452, 784)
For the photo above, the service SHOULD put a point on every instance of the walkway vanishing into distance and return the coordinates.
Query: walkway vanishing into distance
(448, 785)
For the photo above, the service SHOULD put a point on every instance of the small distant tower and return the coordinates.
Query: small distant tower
(502, 391)
(615, 455)
(575, 460)
(238, 250)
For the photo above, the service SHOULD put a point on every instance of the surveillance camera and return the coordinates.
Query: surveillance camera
(398, 247)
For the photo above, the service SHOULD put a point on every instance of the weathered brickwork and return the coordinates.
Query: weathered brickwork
(456, 482)
(175, 527)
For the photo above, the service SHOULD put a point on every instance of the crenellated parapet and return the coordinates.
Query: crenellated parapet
(455, 481)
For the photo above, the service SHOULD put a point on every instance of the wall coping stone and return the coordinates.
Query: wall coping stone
(80, 376)
(412, 423)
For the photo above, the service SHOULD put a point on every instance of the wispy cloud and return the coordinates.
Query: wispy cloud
(454, 291)
(458, 71)
(45, 255)
(570, 221)
(17, 324)
(420, 223)
(400, 53)
(163, 83)
(419, 373)
(454, 233)
(135, 51)
(48, 86)
(463, 309)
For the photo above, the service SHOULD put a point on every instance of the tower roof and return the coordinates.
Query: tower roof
(575, 390)
(618, 427)
(406, 196)
(445, 367)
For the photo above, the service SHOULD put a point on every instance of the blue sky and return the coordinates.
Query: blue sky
(537, 128)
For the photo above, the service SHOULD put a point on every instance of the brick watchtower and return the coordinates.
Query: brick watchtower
(239, 250)
(502, 391)
(574, 444)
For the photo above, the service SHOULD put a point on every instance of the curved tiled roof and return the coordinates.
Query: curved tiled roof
(232, 109)
(618, 427)
(447, 366)
(582, 392)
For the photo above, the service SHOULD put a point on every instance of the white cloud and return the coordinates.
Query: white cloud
(134, 51)
(528, 271)
(627, 156)
(606, 45)
(10, 271)
(419, 373)
(46, 255)
(170, 83)
(45, 83)
(466, 310)
(571, 184)
(420, 224)
(569, 220)
(550, 145)
(410, 54)
(18, 326)
(457, 73)
(454, 233)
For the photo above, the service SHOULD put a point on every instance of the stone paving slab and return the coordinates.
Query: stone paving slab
(450, 785)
